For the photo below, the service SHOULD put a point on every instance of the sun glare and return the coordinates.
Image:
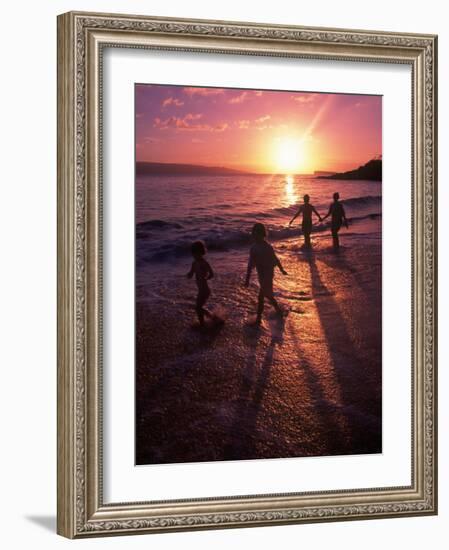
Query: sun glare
(288, 156)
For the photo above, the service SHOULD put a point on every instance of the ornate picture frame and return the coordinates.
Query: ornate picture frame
(82, 38)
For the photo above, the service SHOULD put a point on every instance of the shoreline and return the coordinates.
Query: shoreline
(306, 385)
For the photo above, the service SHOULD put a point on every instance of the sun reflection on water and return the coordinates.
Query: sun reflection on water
(290, 191)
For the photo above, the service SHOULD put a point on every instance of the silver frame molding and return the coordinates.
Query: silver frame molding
(81, 39)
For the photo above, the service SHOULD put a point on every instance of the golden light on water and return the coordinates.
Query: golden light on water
(290, 192)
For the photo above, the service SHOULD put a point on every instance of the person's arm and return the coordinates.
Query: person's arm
(296, 215)
(210, 273)
(316, 213)
(278, 263)
(190, 273)
(249, 269)
(328, 214)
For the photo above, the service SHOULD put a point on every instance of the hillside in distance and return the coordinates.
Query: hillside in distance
(372, 170)
(170, 169)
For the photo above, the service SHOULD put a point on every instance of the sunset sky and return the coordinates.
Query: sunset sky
(258, 131)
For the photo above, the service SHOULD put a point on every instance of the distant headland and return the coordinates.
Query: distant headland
(372, 170)
(170, 169)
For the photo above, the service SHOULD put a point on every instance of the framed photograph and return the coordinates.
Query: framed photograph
(246, 274)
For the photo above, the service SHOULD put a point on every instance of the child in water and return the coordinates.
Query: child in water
(263, 257)
(203, 272)
(338, 217)
(306, 210)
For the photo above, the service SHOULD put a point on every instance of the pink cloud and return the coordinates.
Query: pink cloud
(221, 127)
(304, 98)
(245, 95)
(260, 122)
(243, 124)
(170, 122)
(239, 99)
(192, 116)
(203, 91)
(188, 123)
(172, 101)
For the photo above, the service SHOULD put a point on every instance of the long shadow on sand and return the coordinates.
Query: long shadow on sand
(340, 262)
(360, 399)
(255, 377)
(335, 438)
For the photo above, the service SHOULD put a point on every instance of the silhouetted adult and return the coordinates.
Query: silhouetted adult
(338, 217)
(306, 210)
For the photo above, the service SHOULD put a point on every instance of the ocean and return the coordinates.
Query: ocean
(304, 384)
(174, 211)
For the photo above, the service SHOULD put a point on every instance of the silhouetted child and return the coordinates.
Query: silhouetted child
(263, 257)
(203, 272)
(306, 210)
(338, 217)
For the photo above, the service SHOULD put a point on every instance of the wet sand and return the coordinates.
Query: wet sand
(305, 385)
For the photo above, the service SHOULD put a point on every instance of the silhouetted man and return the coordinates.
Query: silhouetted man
(338, 217)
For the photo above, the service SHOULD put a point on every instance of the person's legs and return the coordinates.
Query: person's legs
(307, 242)
(306, 231)
(201, 300)
(335, 240)
(260, 305)
(275, 304)
(200, 312)
(269, 295)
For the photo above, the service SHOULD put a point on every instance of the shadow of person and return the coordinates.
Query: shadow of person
(361, 398)
(205, 334)
(243, 436)
(355, 276)
(334, 437)
(277, 328)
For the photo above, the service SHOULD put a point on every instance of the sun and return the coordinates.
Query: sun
(288, 154)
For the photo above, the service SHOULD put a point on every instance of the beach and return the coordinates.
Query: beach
(306, 384)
